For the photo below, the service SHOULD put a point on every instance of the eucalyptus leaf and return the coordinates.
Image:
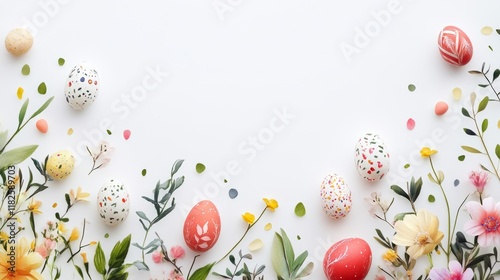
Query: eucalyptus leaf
(496, 73)
(471, 150)
(398, 190)
(469, 132)
(306, 271)
(287, 245)
(465, 112)
(141, 266)
(176, 166)
(100, 260)
(16, 156)
(278, 257)
(484, 125)
(22, 112)
(483, 104)
(142, 215)
(202, 272)
(497, 151)
(474, 72)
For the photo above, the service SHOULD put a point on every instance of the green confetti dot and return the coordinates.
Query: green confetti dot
(225, 181)
(144, 172)
(106, 235)
(461, 158)
(200, 167)
(61, 61)
(298, 237)
(42, 88)
(407, 166)
(411, 87)
(26, 70)
(300, 209)
(109, 131)
(431, 198)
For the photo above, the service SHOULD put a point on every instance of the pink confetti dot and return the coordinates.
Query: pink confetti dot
(126, 134)
(410, 124)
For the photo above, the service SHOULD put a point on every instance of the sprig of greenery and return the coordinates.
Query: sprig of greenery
(484, 72)
(162, 208)
(244, 271)
(116, 268)
(285, 264)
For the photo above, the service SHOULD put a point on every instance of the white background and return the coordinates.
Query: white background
(228, 74)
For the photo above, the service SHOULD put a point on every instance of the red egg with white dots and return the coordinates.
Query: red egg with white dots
(202, 226)
(455, 46)
(348, 259)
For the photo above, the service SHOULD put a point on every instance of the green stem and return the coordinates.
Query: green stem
(242, 237)
(480, 134)
(191, 267)
(491, 85)
(447, 251)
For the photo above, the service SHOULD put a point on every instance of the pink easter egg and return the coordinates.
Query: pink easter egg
(202, 226)
(349, 258)
(455, 46)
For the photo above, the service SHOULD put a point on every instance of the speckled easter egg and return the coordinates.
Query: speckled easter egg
(60, 164)
(113, 203)
(82, 86)
(455, 46)
(19, 41)
(371, 157)
(336, 197)
(349, 258)
(202, 226)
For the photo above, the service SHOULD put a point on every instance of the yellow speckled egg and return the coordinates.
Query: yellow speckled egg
(60, 164)
(18, 41)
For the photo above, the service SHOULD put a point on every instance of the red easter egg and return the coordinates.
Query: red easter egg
(348, 259)
(202, 226)
(455, 46)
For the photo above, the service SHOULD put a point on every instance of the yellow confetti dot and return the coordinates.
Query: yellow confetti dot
(54, 205)
(255, 245)
(457, 93)
(20, 92)
(70, 131)
(487, 30)
(498, 124)
(268, 226)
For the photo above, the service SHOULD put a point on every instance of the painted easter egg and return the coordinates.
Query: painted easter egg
(19, 41)
(202, 226)
(60, 164)
(371, 157)
(349, 258)
(82, 86)
(336, 197)
(113, 203)
(455, 46)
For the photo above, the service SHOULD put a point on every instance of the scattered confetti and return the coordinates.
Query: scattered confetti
(411, 87)
(20, 92)
(200, 167)
(298, 237)
(70, 131)
(461, 158)
(487, 30)
(126, 134)
(457, 93)
(300, 209)
(225, 181)
(498, 124)
(42, 88)
(106, 235)
(108, 131)
(61, 61)
(26, 70)
(268, 227)
(441, 108)
(255, 245)
(431, 198)
(407, 166)
(233, 193)
(410, 124)
(54, 205)
(42, 125)
(144, 172)
(456, 182)
(489, 47)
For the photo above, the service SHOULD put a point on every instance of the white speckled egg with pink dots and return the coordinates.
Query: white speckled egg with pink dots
(336, 196)
(113, 203)
(82, 86)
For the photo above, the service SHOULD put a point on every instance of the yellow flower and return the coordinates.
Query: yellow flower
(420, 233)
(75, 234)
(427, 152)
(92, 243)
(271, 203)
(84, 257)
(249, 218)
(26, 262)
(390, 256)
(78, 196)
(34, 207)
(61, 228)
(3, 236)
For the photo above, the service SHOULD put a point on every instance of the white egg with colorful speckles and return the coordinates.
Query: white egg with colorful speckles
(113, 203)
(371, 157)
(336, 196)
(82, 86)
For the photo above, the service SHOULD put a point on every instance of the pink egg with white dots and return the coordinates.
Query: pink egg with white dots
(336, 196)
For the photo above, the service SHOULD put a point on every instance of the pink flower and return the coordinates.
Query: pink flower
(485, 221)
(46, 247)
(455, 273)
(177, 252)
(157, 256)
(479, 179)
(175, 275)
(380, 276)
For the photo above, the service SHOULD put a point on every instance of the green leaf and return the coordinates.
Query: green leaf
(483, 85)
(16, 156)
(119, 253)
(297, 263)
(431, 198)
(401, 216)
(3, 138)
(144, 172)
(475, 72)
(22, 112)
(471, 150)
(141, 266)
(42, 108)
(26, 70)
(202, 272)
(100, 260)
(483, 104)
(496, 73)
(398, 190)
(200, 167)
(176, 166)
(461, 157)
(278, 257)
(68, 200)
(142, 215)
(79, 270)
(484, 125)
(498, 31)
(61, 61)
(415, 188)
(300, 209)
(497, 151)
(42, 88)
(306, 271)
(465, 112)
(469, 132)
(232, 259)
(287, 246)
